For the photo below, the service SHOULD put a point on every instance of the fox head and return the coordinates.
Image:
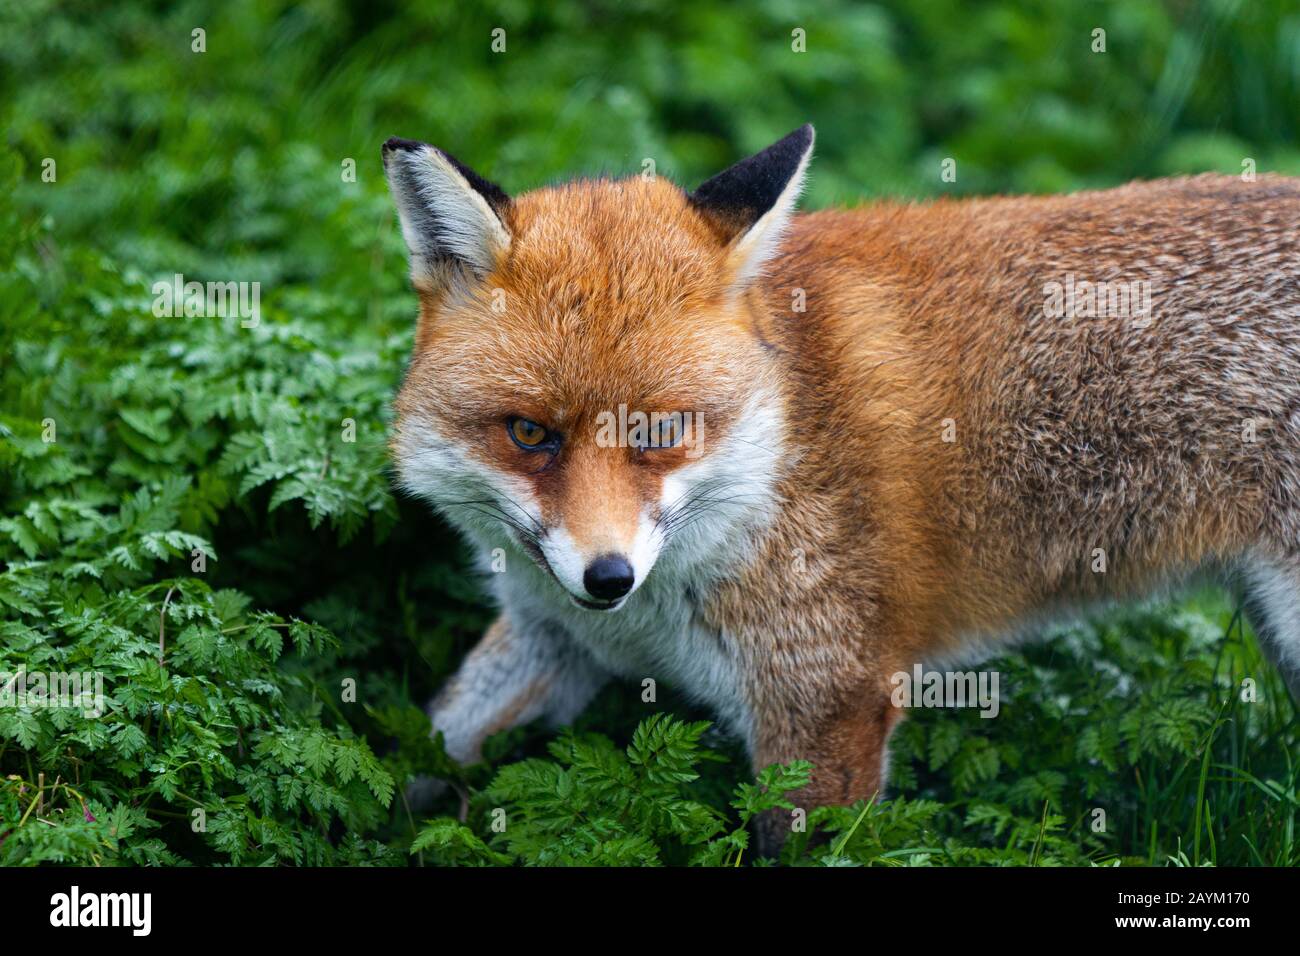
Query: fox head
(587, 384)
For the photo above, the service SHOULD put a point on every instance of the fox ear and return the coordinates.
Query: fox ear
(449, 213)
(751, 203)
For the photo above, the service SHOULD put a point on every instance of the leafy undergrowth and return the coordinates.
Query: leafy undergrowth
(200, 512)
(1136, 741)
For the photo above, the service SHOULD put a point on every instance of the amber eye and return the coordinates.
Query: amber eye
(670, 431)
(527, 435)
(665, 431)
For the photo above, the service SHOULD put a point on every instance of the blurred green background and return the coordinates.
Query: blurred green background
(231, 164)
(176, 159)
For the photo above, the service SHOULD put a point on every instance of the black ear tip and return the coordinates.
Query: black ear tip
(803, 136)
(742, 193)
(395, 143)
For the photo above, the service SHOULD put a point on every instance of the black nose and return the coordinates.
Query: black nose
(608, 578)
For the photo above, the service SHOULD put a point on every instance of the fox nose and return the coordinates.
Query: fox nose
(608, 577)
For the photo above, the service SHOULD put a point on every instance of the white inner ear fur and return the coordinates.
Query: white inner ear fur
(441, 215)
(751, 250)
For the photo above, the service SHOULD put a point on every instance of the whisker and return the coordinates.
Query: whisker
(491, 509)
(699, 501)
(706, 486)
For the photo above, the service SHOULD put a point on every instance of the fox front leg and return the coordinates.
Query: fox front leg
(847, 742)
(515, 674)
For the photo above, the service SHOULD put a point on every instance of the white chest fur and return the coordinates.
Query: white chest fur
(657, 634)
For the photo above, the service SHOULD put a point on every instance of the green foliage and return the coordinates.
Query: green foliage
(594, 805)
(1140, 715)
(201, 512)
(1183, 770)
(214, 740)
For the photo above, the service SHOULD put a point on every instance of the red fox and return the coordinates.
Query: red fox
(777, 460)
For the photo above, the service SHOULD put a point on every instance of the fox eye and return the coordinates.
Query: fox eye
(529, 436)
(665, 432)
(670, 431)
